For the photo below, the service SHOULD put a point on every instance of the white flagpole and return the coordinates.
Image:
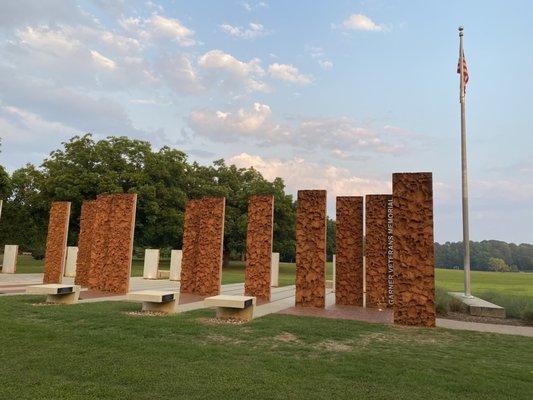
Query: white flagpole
(466, 233)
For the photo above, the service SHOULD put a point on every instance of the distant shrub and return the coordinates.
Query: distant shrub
(527, 316)
(37, 254)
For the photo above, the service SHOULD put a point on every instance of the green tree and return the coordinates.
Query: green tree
(498, 265)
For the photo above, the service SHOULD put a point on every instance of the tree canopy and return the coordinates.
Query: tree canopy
(163, 179)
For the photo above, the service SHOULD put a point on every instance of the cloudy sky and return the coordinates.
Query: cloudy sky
(334, 95)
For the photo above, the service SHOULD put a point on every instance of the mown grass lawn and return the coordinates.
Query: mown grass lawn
(96, 351)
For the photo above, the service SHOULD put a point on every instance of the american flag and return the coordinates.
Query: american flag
(465, 69)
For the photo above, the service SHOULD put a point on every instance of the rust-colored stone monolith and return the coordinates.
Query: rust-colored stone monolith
(349, 251)
(259, 247)
(56, 242)
(377, 223)
(85, 241)
(112, 243)
(311, 249)
(414, 266)
(203, 239)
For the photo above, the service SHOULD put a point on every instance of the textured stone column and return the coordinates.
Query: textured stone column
(9, 263)
(203, 240)
(175, 265)
(349, 251)
(117, 269)
(56, 242)
(85, 241)
(151, 263)
(311, 248)
(274, 270)
(259, 247)
(70, 264)
(376, 250)
(414, 267)
(112, 243)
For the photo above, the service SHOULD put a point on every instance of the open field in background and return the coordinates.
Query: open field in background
(513, 291)
(96, 350)
(508, 283)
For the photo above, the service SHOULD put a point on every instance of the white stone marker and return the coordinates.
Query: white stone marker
(274, 270)
(175, 265)
(70, 264)
(151, 263)
(9, 266)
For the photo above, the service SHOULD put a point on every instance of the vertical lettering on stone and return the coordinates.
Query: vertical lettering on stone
(203, 240)
(414, 267)
(56, 242)
(390, 252)
(349, 251)
(259, 247)
(377, 250)
(311, 248)
(85, 242)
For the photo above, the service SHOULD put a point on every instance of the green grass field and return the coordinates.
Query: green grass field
(514, 284)
(96, 351)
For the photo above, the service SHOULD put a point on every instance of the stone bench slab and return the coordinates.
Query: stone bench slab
(156, 300)
(57, 293)
(234, 307)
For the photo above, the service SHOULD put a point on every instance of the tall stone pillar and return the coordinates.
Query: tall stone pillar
(349, 251)
(56, 242)
(203, 240)
(311, 249)
(259, 247)
(414, 266)
(112, 243)
(376, 250)
(119, 249)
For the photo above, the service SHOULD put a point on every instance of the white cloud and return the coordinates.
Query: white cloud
(170, 28)
(288, 73)
(360, 22)
(254, 30)
(103, 61)
(300, 174)
(325, 64)
(259, 125)
(237, 72)
(179, 74)
(222, 126)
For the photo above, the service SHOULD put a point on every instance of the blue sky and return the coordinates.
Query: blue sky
(335, 95)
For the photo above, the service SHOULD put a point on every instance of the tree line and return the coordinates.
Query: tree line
(487, 255)
(164, 180)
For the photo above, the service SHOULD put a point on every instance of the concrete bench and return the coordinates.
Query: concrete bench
(156, 300)
(57, 293)
(237, 307)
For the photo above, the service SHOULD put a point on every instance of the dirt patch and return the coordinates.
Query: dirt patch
(334, 346)
(218, 321)
(484, 320)
(145, 314)
(218, 338)
(287, 337)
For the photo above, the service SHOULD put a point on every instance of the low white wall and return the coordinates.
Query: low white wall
(9, 265)
(151, 263)
(175, 265)
(70, 264)
(274, 270)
